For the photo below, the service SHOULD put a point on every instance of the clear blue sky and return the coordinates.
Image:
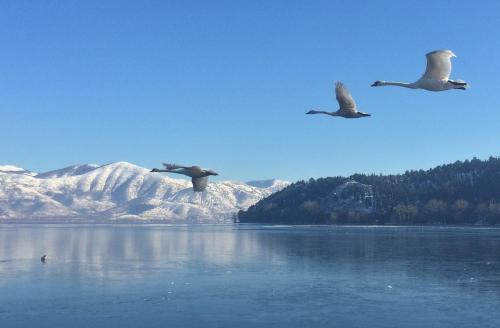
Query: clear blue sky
(225, 84)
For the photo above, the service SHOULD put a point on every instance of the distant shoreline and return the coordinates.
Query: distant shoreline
(272, 224)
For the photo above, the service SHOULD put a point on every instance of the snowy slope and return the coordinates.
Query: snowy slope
(68, 171)
(122, 191)
(271, 184)
(15, 170)
(10, 168)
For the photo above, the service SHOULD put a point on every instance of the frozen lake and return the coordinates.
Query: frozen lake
(248, 276)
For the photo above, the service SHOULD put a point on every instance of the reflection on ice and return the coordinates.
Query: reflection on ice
(114, 250)
(109, 249)
(220, 275)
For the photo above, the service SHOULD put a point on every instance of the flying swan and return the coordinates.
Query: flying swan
(436, 76)
(347, 104)
(199, 176)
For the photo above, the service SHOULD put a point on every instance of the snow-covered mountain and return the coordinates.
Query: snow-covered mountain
(271, 184)
(15, 170)
(68, 171)
(121, 191)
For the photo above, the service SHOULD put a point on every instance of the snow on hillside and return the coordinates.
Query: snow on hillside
(272, 184)
(15, 170)
(10, 168)
(68, 171)
(122, 191)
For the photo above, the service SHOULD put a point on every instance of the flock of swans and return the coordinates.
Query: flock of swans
(435, 78)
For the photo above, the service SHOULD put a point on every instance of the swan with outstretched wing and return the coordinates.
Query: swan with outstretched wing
(347, 105)
(199, 176)
(436, 76)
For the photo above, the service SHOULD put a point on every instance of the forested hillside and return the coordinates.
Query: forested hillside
(460, 193)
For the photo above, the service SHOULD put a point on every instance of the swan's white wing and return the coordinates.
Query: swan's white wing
(344, 98)
(199, 184)
(172, 166)
(439, 64)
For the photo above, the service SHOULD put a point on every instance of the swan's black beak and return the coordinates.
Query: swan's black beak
(154, 170)
(375, 84)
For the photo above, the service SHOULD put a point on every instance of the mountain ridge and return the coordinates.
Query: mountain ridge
(120, 190)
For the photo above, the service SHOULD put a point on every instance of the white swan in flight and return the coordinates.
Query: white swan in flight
(199, 176)
(436, 76)
(347, 104)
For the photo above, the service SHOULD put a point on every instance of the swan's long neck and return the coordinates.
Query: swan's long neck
(168, 171)
(398, 84)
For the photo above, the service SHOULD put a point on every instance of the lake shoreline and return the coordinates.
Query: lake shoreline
(180, 223)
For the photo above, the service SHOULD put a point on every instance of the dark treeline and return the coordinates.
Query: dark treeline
(460, 193)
